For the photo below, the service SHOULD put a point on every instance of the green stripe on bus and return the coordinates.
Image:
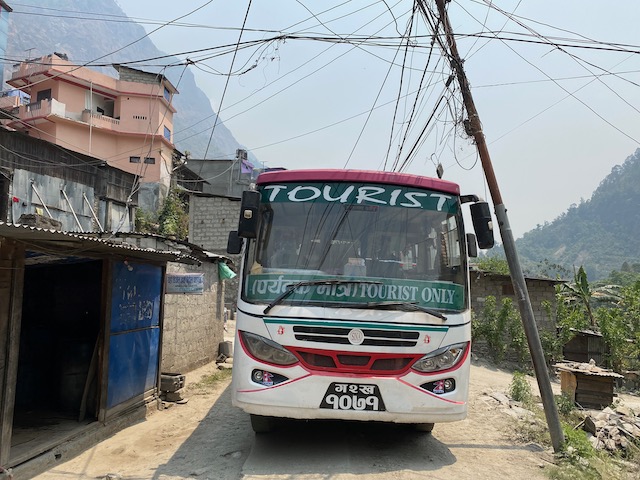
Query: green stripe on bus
(386, 326)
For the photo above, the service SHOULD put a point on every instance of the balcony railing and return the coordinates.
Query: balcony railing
(99, 120)
(42, 108)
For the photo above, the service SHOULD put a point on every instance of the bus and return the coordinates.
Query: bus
(353, 299)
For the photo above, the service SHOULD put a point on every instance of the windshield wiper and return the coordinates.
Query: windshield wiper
(291, 288)
(406, 306)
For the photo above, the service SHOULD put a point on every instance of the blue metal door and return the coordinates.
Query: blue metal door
(135, 330)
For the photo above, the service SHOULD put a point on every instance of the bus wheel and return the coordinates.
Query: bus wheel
(424, 427)
(261, 424)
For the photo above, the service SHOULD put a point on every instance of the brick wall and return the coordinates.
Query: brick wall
(193, 324)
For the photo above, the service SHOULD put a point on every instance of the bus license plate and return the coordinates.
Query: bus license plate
(353, 396)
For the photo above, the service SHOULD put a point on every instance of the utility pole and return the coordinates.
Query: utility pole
(474, 127)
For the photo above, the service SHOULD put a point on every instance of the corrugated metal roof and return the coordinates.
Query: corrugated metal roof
(71, 244)
(138, 239)
(587, 369)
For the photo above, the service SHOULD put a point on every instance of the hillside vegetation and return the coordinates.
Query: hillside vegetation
(602, 233)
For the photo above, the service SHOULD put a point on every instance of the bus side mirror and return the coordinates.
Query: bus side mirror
(248, 224)
(482, 224)
(472, 247)
(234, 243)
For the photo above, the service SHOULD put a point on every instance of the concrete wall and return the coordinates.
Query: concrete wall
(224, 177)
(211, 218)
(193, 324)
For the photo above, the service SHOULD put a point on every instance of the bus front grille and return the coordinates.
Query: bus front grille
(349, 362)
(372, 337)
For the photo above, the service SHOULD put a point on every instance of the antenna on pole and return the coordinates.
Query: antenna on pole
(474, 128)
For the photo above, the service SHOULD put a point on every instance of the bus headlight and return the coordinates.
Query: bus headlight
(267, 350)
(441, 359)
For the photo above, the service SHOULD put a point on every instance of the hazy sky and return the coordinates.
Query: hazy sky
(557, 117)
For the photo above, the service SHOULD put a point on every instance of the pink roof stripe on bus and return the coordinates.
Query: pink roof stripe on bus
(365, 176)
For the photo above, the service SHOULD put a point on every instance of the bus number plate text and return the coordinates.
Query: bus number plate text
(353, 396)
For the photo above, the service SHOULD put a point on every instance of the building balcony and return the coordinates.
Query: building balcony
(100, 121)
(32, 112)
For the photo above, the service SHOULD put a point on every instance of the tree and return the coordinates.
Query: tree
(580, 295)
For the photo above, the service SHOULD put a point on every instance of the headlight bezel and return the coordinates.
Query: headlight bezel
(443, 359)
(266, 350)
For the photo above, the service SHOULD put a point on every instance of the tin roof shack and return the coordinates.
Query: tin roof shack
(81, 338)
(193, 302)
(586, 345)
(586, 384)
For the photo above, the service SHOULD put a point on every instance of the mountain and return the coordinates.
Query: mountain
(71, 27)
(602, 233)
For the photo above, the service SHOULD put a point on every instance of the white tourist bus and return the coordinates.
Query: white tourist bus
(354, 297)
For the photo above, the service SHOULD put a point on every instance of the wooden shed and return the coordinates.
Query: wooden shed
(584, 346)
(81, 323)
(587, 384)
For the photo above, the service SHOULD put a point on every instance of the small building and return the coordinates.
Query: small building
(586, 384)
(83, 331)
(126, 121)
(585, 346)
(226, 177)
(541, 290)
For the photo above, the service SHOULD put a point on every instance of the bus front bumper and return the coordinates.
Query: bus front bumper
(407, 398)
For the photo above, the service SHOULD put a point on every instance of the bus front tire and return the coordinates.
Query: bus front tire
(261, 424)
(424, 427)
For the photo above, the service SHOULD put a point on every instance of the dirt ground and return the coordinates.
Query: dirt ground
(207, 438)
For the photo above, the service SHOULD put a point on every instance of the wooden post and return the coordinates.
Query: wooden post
(11, 289)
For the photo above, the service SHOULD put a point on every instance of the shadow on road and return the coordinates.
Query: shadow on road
(217, 448)
(224, 447)
(331, 448)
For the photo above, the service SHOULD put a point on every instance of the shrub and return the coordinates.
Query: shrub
(520, 389)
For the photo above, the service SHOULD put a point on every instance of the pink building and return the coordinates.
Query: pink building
(127, 122)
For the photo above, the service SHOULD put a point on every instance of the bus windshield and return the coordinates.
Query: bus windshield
(348, 247)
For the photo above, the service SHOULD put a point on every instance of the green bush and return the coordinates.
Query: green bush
(520, 389)
(565, 404)
(576, 444)
(501, 329)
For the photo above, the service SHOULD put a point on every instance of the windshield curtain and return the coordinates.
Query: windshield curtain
(402, 244)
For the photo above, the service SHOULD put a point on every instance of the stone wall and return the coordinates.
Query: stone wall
(499, 286)
(211, 218)
(193, 323)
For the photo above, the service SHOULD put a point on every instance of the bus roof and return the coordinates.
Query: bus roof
(364, 176)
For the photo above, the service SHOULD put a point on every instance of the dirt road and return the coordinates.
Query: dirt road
(207, 438)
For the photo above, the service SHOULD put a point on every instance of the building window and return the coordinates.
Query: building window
(150, 160)
(167, 134)
(167, 94)
(134, 159)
